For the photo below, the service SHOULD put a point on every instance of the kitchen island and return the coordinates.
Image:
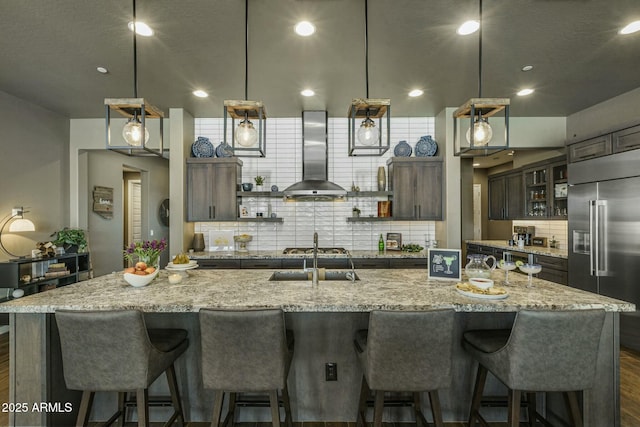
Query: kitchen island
(323, 318)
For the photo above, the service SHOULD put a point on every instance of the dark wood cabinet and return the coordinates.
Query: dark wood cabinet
(546, 191)
(212, 186)
(417, 187)
(627, 139)
(589, 149)
(505, 196)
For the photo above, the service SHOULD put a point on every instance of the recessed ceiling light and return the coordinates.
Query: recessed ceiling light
(142, 29)
(631, 28)
(102, 70)
(475, 165)
(200, 93)
(527, 68)
(416, 92)
(307, 92)
(468, 27)
(304, 28)
(525, 92)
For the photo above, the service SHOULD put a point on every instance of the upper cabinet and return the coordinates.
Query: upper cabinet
(536, 191)
(603, 145)
(546, 191)
(505, 196)
(212, 184)
(417, 187)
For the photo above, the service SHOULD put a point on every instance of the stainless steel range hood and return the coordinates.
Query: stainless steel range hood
(314, 184)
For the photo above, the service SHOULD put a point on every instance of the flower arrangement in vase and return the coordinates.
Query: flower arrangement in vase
(147, 251)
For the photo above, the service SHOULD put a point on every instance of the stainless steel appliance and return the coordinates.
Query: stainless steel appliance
(524, 233)
(314, 184)
(604, 232)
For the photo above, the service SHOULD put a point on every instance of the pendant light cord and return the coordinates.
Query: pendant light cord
(135, 53)
(480, 52)
(246, 50)
(366, 43)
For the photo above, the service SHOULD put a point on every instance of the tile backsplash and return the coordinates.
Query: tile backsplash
(282, 166)
(549, 229)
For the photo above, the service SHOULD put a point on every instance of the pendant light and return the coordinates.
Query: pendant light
(135, 133)
(367, 139)
(249, 137)
(480, 138)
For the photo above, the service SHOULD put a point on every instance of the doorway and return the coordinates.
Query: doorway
(132, 208)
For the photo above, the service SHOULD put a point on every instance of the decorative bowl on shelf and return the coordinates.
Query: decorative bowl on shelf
(243, 239)
(138, 280)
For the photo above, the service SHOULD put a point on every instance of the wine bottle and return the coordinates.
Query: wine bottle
(381, 244)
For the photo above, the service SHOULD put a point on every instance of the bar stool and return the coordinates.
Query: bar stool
(544, 351)
(246, 351)
(114, 351)
(405, 351)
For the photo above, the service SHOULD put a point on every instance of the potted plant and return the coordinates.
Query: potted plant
(356, 212)
(73, 240)
(259, 182)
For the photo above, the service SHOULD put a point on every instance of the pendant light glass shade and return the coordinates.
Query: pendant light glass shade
(368, 134)
(482, 132)
(132, 132)
(246, 134)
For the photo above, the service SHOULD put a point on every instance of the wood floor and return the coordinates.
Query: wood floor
(629, 392)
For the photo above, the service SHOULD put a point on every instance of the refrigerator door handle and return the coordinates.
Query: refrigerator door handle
(593, 233)
(598, 229)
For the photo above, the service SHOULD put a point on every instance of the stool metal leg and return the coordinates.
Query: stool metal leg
(531, 409)
(275, 408)
(378, 407)
(142, 400)
(514, 408)
(122, 408)
(361, 420)
(571, 398)
(217, 408)
(478, 388)
(287, 406)
(436, 410)
(85, 408)
(175, 396)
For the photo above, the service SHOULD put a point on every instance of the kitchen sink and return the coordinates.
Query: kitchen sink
(300, 275)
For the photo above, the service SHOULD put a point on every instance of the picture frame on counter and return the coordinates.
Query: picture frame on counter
(393, 242)
(444, 264)
(244, 211)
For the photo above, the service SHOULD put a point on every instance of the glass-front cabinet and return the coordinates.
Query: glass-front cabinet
(546, 191)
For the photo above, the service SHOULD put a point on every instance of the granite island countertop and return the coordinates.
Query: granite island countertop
(538, 250)
(277, 254)
(399, 289)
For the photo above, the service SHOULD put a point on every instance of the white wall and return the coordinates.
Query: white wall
(33, 170)
(283, 167)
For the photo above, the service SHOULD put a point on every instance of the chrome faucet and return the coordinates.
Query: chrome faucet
(314, 272)
(351, 275)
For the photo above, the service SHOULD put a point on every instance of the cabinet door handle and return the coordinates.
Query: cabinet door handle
(419, 211)
(214, 211)
(209, 211)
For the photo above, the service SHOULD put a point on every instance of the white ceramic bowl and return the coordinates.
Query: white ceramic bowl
(481, 282)
(138, 280)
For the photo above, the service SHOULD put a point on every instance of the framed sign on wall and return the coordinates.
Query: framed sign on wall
(444, 264)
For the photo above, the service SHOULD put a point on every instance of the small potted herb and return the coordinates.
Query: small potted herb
(259, 182)
(73, 240)
(356, 212)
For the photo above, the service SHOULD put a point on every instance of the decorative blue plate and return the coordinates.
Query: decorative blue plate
(202, 148)
(402, 149)
(224, 150)
(426, 147)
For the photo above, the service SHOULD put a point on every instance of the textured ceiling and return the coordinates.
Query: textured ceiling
(50, 51)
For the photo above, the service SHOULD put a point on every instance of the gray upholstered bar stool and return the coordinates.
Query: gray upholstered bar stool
(114, 351)
(246, 351)
(406, 351)
(545, 351)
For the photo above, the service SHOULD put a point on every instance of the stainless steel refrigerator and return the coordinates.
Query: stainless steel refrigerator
(604, 232)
